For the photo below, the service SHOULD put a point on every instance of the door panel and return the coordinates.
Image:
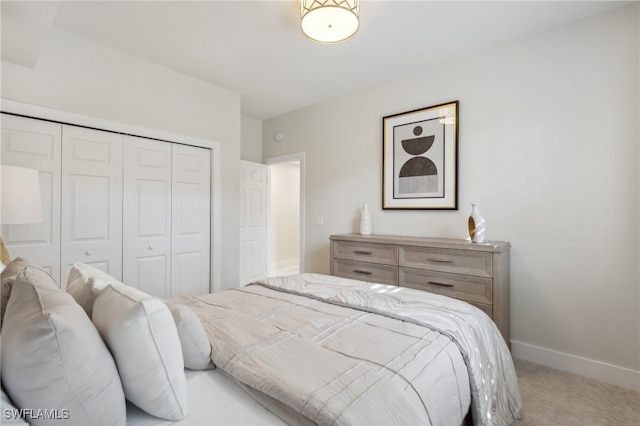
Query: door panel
(253, 222)
(92, 199)
(147, 215)
(36, 144)
(190, 220)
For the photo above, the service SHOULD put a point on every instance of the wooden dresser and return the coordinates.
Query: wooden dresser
(477, 273)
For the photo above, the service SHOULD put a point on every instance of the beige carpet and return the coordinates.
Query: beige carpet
(553, 397)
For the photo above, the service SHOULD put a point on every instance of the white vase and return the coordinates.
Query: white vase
(476, 225)
(365, 220)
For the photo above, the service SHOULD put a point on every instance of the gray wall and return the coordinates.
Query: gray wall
(549, 150)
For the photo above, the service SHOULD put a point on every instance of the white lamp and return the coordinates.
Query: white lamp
(20, 201)
(329, 21)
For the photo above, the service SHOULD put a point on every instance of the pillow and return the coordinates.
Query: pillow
(9, 275)
(196, 349)
(53, 358)
(85, 282)
(143, 339)
(10, 414)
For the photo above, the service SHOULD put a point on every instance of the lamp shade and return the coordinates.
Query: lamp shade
(20, 196)
(329, 21)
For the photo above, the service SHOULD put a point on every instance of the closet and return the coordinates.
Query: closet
(137, 208)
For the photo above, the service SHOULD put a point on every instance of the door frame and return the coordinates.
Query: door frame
(288, 158)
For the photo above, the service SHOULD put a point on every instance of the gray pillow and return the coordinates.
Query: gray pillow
(196, 349)
(53, 357)
(9, 275)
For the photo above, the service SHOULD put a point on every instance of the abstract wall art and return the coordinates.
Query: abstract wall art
(420, 159)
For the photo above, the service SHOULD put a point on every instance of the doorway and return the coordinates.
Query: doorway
(285, 224)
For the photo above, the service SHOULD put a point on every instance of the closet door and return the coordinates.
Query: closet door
(191, 215)
(146, 260)
(36, 144)
(92, 199)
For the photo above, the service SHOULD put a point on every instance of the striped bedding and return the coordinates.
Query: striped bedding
(318, 349)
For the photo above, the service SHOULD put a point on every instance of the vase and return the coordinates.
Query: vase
(365, 220)
(476, 225)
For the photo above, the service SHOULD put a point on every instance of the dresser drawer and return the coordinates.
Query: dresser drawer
(465, 262)
(464, 287)
(386, 254)
(372, 272)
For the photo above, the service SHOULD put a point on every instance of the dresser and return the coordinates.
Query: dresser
(477, 273)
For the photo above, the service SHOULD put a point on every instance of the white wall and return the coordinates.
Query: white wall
(548, 147)
(285, 214)
(81, 77)
(251, 139)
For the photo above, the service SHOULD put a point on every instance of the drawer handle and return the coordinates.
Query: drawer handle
(439, 259)
(360, 271)
(440, 284)
(362, 252)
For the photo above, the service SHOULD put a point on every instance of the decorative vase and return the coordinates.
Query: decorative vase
(476, 225)
(365, 220)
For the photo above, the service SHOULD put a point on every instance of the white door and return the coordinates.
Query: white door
(91, 199)
(253, 222)
(190, 220)
(36, 144)
(146, 259)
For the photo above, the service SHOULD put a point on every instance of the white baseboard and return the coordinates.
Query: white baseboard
(601, 371)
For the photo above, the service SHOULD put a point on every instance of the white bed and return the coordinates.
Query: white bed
(304, 349)
(214, 399)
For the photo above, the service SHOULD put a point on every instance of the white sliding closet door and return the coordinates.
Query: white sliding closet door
(147, 215)
(191, 216)
(36, 144)
(91, 199)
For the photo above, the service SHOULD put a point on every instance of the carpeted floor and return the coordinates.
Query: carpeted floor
(552, 397)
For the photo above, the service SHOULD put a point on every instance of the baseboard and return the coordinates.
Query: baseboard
(601, 371)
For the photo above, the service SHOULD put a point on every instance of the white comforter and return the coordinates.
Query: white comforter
(336, 351)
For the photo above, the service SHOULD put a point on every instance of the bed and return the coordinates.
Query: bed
(311, 348)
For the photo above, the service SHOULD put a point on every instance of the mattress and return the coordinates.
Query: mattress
(214, 399)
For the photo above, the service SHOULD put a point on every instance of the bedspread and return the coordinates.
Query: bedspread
(339, 351)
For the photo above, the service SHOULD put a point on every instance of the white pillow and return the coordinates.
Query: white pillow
(143, 339)
(85, 282)
(196, 349)
(10, 414)
(53, 358)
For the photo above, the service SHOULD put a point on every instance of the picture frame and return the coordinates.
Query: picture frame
(420, 159)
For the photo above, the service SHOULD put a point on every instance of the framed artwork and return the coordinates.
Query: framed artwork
(420, 159)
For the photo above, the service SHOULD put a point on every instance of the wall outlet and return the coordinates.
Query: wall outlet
(319, 221)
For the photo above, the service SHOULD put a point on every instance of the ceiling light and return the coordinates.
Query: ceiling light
(329, 21)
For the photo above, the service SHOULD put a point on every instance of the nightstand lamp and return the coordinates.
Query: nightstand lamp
(20, 201)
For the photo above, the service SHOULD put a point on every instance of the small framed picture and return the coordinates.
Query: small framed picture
(420, 159)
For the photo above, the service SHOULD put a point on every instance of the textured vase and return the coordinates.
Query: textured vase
(476, 225)
(365, 220)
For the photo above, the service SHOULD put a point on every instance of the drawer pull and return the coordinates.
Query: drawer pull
(439, 259)
(440, 284)
(360, 271)
(362, 252)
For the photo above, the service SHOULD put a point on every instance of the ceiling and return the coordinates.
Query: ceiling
(255, 48)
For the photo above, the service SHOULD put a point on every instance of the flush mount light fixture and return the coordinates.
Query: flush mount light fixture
(329, 21)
